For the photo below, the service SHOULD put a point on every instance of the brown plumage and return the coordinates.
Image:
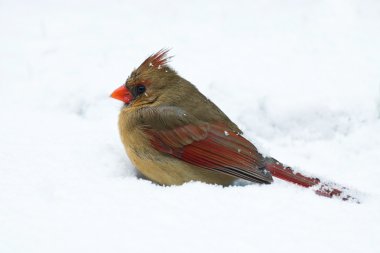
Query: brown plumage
(174, 134)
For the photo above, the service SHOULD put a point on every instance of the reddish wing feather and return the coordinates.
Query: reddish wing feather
(211, 147)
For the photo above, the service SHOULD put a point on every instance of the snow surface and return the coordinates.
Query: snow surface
(301, 78)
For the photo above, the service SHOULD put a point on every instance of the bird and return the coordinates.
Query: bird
(173, 134)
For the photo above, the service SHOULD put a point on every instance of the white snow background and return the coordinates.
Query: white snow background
(301, 78)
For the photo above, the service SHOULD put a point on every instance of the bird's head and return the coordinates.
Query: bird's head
(150, 81)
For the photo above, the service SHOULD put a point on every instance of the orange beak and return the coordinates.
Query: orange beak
(123, 94)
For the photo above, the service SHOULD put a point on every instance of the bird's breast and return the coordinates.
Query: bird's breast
(159, 167)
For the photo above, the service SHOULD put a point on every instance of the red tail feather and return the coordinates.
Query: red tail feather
(326, 189)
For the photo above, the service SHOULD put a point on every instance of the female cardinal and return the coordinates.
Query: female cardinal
(173, 134)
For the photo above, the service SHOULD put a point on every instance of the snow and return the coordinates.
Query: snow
(301, 78)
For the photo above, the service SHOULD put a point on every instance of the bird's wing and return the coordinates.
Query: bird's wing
(206, 145)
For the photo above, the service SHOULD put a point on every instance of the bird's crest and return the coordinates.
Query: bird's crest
(158, 60)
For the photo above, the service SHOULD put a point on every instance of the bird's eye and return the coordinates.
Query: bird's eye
(140, 89)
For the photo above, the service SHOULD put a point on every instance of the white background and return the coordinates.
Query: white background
(301, 78)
